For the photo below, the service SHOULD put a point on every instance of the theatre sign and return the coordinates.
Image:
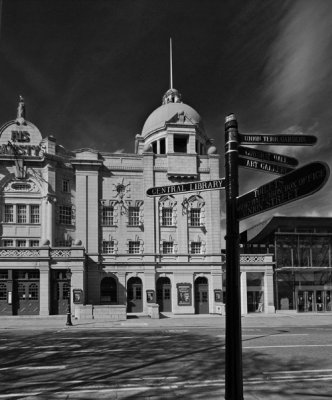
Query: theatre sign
(295, 185)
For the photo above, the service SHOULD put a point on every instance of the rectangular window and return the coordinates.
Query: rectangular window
(21, 214)
(168, 247)
(107, 216)
(9, 213)
(167, 216)
(108, 247)
(195, 247)
(8, 243)
(65, 186)
(195, 217)
(65, 215)
(63, 243)
(180, 143)
(34, 214)
(34, 243)
(133, 216)
(134, 247)
(21, 243)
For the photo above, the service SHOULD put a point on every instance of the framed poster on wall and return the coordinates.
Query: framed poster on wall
(150, 296)
(217, 295)
(78, 296)
(184, 294)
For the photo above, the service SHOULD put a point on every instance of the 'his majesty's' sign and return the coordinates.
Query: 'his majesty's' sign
(186, 187)
(293, 186)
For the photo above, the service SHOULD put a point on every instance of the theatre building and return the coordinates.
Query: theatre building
(79, 225)
(301, 248)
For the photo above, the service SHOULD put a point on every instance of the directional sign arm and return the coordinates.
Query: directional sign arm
(179, 188)
(267, 156)
(299, 183)
(278, 140)
(264, 166)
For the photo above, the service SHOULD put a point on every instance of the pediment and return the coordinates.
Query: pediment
(181, 118)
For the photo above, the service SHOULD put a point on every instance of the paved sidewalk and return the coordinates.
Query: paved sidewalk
(171, 321)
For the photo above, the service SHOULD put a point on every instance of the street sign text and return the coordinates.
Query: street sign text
(297, 184)
(186, 187)
(292, 140)
(264, 166)
(267, 156)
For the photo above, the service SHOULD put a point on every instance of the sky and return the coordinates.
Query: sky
(91, 72)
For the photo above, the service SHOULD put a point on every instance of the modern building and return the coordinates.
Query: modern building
(301, 248)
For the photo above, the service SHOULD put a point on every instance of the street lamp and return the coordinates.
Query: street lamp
(68, 276)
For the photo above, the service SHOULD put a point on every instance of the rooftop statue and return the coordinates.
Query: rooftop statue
(21, 110)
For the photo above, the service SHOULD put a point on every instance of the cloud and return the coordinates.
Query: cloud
(299, 63)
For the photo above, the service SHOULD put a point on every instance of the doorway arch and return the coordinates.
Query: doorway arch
(201, 295)
(134, 295)
(164, 294)
(108, 291)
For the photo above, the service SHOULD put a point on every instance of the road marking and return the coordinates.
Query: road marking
(287, 345)
(46, 367)
(19, 395)
(261, 335)
(299, 371)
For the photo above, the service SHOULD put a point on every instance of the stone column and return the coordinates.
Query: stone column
(244, 305)
(44, 290)
(122, 291)
(268, 292)
(50, 220)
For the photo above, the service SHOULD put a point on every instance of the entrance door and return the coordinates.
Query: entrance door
(164, 294)
(201, 296)
(319, 301)
(134, 295)
(305, 300)
(60, 292)
(255, 301)
(327, 300)
(26, 293)
(108, 291)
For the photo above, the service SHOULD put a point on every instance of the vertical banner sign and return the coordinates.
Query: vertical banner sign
(233, 364)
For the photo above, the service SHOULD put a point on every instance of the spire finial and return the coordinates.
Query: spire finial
(172, 95)
(170, 64)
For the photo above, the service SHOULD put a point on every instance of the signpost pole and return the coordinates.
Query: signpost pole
(233, 365)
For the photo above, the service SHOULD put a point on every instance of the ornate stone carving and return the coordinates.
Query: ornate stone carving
(252, 259)
(61, 253)
(19, 253)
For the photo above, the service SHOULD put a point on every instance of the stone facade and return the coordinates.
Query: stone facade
(87, 212)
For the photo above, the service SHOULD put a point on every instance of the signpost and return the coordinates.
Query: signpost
(233, 350)
(293, 185)
(297, 184)
(186, 187)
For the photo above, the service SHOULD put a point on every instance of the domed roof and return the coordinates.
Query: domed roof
(166, 112)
